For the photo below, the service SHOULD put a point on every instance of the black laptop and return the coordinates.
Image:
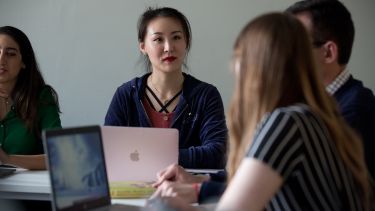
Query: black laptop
(6, 170)
(76, 164)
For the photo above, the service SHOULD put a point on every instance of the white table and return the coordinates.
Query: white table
(29, 185)
(35, 185)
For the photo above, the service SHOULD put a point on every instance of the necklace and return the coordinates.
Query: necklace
(5, 99)
(153, 86)
(157, 90)
(163, 105)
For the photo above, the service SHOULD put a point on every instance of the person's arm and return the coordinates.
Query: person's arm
(34, 162)
(188, 192)
(213, 134)
(175, 181)
(48, 113)
(116, 113)
(252, 187)
(48, 117)
(263, 169)
(192, 188)
(177, 173)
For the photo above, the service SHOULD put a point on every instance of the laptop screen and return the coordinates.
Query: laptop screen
(77, 168)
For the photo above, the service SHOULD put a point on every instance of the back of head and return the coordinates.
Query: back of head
(331, 20)
(275, 57)
(275, 68)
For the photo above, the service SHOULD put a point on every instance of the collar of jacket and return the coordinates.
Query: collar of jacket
(190, 86)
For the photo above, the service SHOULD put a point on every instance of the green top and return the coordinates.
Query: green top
(15, 137)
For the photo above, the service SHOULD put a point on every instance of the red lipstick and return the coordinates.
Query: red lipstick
(169, 59)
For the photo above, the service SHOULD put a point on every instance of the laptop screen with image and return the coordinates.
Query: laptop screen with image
(77, 168)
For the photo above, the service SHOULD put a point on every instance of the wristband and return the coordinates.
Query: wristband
(196, 189)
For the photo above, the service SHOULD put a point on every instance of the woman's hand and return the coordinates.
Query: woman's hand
(186, 191)
(31, 162)
(178, 174)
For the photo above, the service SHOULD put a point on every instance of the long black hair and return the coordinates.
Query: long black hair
(30, 82)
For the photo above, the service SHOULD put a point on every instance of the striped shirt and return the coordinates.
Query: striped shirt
(296, 143)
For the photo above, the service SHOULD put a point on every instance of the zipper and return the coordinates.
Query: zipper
(179, 115)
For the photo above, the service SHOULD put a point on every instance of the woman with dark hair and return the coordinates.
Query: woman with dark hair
(27, 104)
(166, 97)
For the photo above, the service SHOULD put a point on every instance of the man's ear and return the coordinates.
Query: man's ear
(142, 48)
(330, 52)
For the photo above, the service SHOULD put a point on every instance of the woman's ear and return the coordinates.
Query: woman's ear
(330, 52)
(23, 66)
(142, 48)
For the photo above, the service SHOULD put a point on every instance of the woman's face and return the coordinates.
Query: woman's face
(10, 60)
(164, 44)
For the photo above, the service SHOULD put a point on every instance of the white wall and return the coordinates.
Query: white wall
(87, 48)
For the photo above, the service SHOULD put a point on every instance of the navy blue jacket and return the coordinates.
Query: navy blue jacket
(199, 117)
(357, 105)
(212, 190)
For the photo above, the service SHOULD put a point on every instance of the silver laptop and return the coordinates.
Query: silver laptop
(138, 153)
(76, 164)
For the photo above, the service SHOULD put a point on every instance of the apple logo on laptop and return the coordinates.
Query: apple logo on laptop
(134, 156)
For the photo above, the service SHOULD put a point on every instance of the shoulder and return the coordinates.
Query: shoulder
(134, 84)
(285, 125)
(284, 119)
(279, 134)
(193, 86)
(194, 82)
(355, 92)
(47, 94)
(292, 113)
(48, 103)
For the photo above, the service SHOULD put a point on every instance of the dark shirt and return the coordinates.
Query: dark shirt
(357, 105)
(199, 118)
(212, 190)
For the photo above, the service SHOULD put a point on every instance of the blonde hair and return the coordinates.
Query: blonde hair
(274, 68)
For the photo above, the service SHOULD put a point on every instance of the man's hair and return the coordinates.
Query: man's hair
(331, 20)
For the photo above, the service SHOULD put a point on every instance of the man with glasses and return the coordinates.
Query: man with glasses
(332, 32)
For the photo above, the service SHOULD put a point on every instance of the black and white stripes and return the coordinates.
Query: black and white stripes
(297, 144)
